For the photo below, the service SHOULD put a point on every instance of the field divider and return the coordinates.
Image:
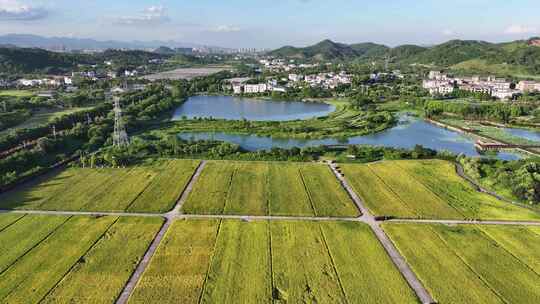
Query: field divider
(229, 187)
(333, 264)
(403, 170)
(399, 261)
(480, 277)
(139, 194)
(82, 256)
(414, 211)
(491, 238)
(143, 263)
(271, 257)
(13, 223)
(36, 244)
(201, 295)
(187, 190)
(307, 192)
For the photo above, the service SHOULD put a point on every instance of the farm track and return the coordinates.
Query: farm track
(365, 217)
(395, 256)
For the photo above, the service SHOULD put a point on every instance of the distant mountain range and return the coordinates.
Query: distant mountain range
(522, 55)
(59, 43)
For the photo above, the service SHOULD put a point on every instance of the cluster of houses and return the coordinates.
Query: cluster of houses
(279, 65)
(439, 83)
(53, 81)
(321, 80)
(241, 87)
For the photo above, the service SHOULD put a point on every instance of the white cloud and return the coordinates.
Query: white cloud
(520, 29)
(225, 29)
(16, 10)
(152, 15)
(448, 32)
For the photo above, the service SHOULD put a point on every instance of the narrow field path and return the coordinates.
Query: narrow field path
(183, 198)
(465, 222)
(394, 254)
(136, 276)
(461, 172)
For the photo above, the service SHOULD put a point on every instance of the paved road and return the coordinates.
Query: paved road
(464, 222)
(396, 257)
(136, 276)
(178, 208)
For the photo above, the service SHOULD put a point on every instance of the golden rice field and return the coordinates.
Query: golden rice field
(256, 188)
(62, 259)
(426, 189)
(229, 261)
(472, 264)
(154, 188)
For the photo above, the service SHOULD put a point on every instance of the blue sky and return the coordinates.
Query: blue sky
(269, 24)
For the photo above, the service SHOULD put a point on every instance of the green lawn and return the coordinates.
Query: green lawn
(462, 264)
(152, 188)
(426, 189)
(230, 261)
(256, 188)
(42, 117)
(16, 93)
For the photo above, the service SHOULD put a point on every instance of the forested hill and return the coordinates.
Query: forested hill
(15, 60)
(522, 53)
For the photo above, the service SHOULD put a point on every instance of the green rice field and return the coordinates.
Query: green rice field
(209, 261)
(61, 259)
(471, 264)
(244, 188)
(426, 189)
(153, 188)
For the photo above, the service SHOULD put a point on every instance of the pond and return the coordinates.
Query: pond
(234, 108)
(524, 133)
(409, 132)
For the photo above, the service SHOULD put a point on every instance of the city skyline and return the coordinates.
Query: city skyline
(240, 23)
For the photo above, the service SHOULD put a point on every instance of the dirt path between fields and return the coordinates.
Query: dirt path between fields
(395, 256)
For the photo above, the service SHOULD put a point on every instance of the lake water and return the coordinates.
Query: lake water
(524, 133)
(233, 108)
(409, 132)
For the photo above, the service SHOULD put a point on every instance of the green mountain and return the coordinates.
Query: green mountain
(522, 56)
(324, 50)
(15, 60)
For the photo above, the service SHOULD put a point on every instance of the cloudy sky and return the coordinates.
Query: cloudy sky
(269, 24)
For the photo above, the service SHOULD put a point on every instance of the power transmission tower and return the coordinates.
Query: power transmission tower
(88, 119)
(120, 137)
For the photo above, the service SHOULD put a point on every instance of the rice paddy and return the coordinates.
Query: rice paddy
(263, 262)
(60, 259)
(153, 188)
(463, 264)
(238, 188)
(427, 189)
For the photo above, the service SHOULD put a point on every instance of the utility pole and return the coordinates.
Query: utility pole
(54, 131)
(120, 137)
(88, 119)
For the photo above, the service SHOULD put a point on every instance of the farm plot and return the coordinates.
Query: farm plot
(203, 261)
(178, 269)
(60, 259)
(426, 189)
(31, 276)
(440, 177)
(241, 188)
(139, 189)
(101, 274)
(462, 264)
